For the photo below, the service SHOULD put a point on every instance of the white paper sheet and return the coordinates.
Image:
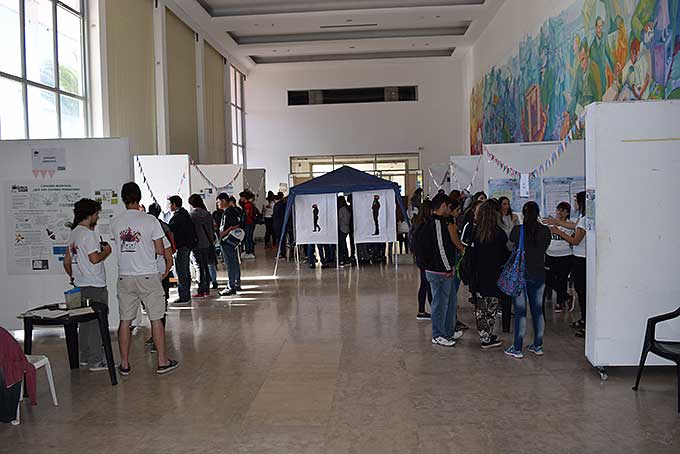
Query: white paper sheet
(375, 216)
(316, 219)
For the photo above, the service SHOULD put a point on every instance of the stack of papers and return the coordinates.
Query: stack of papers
(80, 311)
(44, 313)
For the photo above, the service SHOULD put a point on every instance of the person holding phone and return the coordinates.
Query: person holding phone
(84, 263)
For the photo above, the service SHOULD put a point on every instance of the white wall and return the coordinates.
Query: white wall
(433, 125)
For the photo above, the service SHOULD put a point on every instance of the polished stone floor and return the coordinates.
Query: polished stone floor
(335, 362)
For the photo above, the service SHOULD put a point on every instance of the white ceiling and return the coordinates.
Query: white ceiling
(278, 31)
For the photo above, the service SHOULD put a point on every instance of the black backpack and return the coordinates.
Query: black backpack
(467, 266)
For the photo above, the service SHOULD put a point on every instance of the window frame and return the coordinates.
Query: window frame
(237, 112)
(84, 69)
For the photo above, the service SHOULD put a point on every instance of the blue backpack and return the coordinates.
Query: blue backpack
(512, 280)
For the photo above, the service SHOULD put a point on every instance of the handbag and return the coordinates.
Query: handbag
(512, 280)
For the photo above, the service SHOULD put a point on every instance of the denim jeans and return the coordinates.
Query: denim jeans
(249, 240)
(328, 253)
(230, 256)
(534, 296)
(444, 304)
(212, 270)
(201, 255)
(343, 251)
(182, 259)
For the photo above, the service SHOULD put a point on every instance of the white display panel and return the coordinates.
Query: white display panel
(374, 216)
(467, 172)
(633, 160)
(165, 176)
(316, 219)
(208, 180)
(98, 167)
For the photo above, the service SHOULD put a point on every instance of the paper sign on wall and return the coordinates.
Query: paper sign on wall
(524, 185)
(375, 216)
(48, 161)
(316, 219)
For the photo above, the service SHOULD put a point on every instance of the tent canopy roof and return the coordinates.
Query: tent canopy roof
(344, 179)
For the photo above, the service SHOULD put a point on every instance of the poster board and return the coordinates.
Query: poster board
(467, 172)
(374, 216)
(524, 157)
(225, 178)
(65, 169)
(316, 219)
(162, 177)
(633, 160)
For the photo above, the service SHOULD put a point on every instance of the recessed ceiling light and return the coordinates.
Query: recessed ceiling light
(352, 47)
(275, 50)
(348, 20)
(427, 44)
(437, 17)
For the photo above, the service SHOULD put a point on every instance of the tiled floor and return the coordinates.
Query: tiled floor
(335, 362)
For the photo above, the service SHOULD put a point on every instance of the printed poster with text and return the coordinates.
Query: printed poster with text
(316, 219)
(375, 216)
(38, 221)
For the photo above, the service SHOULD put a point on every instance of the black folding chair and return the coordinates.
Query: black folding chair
(666, 349)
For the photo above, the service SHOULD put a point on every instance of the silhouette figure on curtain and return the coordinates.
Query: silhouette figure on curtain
(315, 213)
(376, 212)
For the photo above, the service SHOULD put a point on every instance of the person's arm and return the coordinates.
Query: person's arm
(168, 261)
(453, 232)
(556, 222)
(68, 264)
(96, 257)
(574, 240)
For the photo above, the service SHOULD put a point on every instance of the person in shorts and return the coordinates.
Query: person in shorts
(139, 239)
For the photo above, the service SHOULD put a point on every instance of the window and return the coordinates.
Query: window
(238, 116)
(42, 69)
(352, 95)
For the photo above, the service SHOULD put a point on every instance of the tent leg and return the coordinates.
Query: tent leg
(337, 254)
(396, 263)
(356, 253)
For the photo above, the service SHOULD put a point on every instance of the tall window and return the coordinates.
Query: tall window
(42, 69)
(238, 117)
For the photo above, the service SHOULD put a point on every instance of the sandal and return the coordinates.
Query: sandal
(124, 372)
(172, 365)
(577, 324)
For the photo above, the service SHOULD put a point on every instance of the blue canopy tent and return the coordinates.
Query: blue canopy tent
(344, 179)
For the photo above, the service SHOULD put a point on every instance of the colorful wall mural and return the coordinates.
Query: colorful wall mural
(595, 50)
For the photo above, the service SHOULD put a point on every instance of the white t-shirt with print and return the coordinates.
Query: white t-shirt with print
(559, 247)
(82, 243)
(580, 250)
(160, 259)
(134, 233)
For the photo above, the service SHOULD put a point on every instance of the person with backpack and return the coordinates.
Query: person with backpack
(424, 292)
(231, 234)
(536, 238)
(185, 240)
(438, 255)
(203, 225)
(488, 252)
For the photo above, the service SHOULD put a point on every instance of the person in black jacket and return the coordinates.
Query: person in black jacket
(438, 256)
(490, 254)
(185, 240)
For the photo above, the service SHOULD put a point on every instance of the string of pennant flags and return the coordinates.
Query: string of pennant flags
(145, 180)
(548, 163)
(216, 187)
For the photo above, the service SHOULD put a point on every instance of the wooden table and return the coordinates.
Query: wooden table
(70, 324)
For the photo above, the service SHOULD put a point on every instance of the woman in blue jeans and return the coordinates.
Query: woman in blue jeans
(536, 242)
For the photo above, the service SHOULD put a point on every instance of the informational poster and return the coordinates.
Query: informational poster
(110, 202)
(375, 216)
(509, 187)
(316, 219)
(48, 161)
(38, 224)
(561, 189)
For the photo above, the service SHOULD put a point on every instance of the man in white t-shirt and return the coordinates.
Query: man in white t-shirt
(139, 239)
(84, 263)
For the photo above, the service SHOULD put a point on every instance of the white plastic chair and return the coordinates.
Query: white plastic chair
(38, 361)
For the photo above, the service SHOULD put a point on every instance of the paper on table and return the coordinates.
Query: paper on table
(44, 313)
(80, 311)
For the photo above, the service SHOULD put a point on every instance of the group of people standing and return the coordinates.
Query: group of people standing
(553, 249)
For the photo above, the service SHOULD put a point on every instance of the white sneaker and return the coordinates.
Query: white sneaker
(100, 366)
(444, 342)
(457, 335)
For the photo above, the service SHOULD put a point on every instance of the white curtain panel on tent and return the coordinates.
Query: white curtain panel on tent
(375, 216)
(316, 219)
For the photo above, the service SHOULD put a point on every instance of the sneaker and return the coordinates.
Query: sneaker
(124, 372)
(423, 316)
(238, 288)
(492, 342)
(149, 342)
(214, 286)
(153, 348)
(83, 363)
(457, 335)
(460, 326)
(100, 366)
(538, 351)
(180, 302)
(580, 332)
(172, 365)
(198, 295)
(227, 292)
(511, 351)
(444, 342)
(558, 308)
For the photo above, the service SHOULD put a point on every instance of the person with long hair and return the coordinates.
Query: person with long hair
(558, 260)
(268, 214)
(490, 253)
(508, 219)
(424, 291)
(578, 243)
(536, 242)
(84, 263)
